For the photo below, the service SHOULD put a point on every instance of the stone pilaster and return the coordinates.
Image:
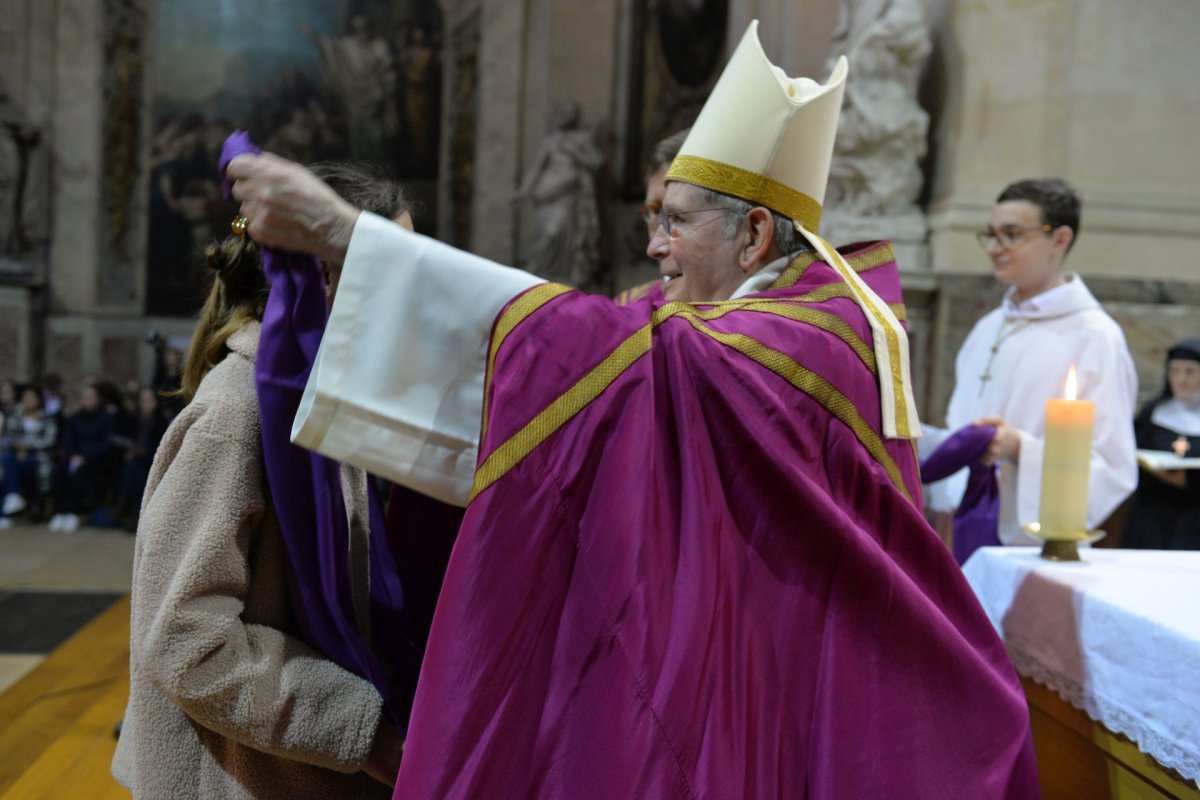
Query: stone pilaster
(1099, 92)
(77, 151)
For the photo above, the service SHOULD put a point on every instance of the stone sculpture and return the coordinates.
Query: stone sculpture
(561, 186)
(881, 136)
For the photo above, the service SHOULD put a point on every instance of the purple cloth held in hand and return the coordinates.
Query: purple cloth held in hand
(978, 515)
(306, 489)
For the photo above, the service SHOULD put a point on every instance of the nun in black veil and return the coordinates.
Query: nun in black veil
(1165, 514)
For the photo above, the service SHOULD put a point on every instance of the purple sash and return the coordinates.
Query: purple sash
(306, 490)
(977, 516)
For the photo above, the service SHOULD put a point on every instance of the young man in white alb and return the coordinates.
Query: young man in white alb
(1019, 354)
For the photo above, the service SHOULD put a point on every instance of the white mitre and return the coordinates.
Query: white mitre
(768, 139)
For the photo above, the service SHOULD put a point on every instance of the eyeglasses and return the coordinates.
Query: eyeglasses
(671, 220)
(650, 213)
(1008, 236)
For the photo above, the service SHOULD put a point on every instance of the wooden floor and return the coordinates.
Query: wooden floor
(57, 722)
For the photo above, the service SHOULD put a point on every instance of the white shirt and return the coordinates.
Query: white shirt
(397, 387)
(1036, 342)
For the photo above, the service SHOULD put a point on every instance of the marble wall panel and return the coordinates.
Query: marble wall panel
(920, 301)
(64, 356)
(11, 342)
(120, 357)
(498, 131)
(17, 345)
(460, 123)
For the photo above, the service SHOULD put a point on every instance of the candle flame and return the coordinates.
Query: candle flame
(1071, 389)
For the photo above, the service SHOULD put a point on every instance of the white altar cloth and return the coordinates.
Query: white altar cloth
(1117, 636)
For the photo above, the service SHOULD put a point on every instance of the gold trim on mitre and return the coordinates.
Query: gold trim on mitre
(728, 179)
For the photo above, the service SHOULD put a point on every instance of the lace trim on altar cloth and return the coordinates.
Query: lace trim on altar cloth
(1115, 718)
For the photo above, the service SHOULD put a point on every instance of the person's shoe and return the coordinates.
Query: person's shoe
(13, 503)
(55, 522)
(5, 523)
(70, 523)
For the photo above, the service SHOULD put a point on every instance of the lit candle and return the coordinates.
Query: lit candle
(1066, 457)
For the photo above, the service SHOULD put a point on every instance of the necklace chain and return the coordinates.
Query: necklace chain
(1001, 335)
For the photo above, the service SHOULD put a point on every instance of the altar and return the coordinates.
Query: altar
(1108, 650)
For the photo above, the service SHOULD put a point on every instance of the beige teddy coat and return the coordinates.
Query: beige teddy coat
(225, 702)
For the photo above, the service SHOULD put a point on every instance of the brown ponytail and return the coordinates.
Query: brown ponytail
(238, 296)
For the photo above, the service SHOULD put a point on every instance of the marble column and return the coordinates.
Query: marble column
(78, 140)
(88, 60)
(498, 66)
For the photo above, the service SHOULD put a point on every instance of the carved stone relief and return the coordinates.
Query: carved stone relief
(124, 56)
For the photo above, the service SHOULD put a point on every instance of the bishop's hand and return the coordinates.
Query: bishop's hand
(289, 208)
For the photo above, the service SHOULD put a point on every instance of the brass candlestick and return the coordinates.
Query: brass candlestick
(1062, 545)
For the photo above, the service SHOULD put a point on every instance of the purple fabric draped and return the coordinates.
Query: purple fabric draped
(306, 491)
(693, 569)
(978, 515)
(422, 531)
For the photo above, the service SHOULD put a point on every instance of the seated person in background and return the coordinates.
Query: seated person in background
(55, 404)
(83, 474)
(29, 459)
(1165, 514)
(112, 397)
(52, 396)
(168, 366)
(137, 442)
